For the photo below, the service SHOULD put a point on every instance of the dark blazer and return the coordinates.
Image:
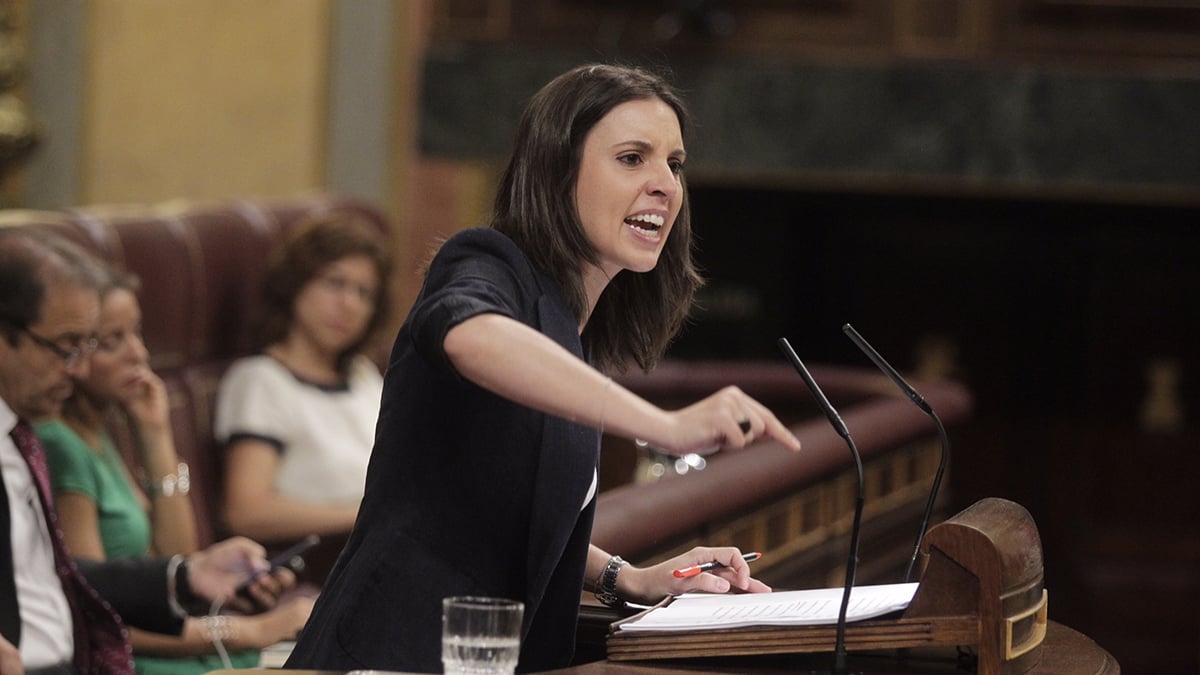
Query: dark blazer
(137, 589)
(467, 493)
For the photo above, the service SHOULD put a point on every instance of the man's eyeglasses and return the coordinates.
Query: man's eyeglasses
(70, 351)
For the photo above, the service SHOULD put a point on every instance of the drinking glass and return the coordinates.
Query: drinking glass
(481, 635)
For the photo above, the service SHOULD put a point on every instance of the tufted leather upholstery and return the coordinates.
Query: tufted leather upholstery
(200, 266)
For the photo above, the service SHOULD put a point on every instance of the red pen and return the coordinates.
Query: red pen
(697, 569)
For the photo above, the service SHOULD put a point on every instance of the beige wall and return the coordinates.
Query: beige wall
(203, 100)
(143, 101)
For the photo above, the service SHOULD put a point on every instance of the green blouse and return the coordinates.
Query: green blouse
(99, 476)
(124, 525)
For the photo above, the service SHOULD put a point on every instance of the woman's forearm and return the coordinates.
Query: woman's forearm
(517, 362)
(172, 519)
(521, 364)
(272, 517)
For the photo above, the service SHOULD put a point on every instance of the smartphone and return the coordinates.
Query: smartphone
(292, 559)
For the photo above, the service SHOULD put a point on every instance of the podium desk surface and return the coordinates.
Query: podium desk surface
(1064, 652)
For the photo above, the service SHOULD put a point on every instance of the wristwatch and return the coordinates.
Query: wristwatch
(606, 588)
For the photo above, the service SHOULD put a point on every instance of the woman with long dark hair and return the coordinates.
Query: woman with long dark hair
(483, 477)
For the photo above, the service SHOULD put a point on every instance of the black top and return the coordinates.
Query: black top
(467, 493)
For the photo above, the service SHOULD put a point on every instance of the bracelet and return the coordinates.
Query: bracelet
(180, 584)
(606, 585)
(176, 563)
(178, 483)
(219, 627)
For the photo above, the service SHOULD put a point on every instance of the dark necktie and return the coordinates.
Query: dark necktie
(101, 640)
(10, 615)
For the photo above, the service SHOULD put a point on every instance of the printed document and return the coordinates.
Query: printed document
(701, 611)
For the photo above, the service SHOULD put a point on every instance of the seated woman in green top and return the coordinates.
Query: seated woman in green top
(103, 512)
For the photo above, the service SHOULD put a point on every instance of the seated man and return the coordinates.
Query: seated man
(55, 616)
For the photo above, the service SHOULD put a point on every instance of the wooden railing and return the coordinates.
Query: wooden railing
(794, 507)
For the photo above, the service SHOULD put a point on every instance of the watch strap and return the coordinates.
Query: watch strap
(606, 587)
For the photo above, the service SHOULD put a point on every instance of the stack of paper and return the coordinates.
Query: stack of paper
(784, 608)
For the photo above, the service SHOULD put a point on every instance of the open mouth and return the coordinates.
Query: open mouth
(647, 224)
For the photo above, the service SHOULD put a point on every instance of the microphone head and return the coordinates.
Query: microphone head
(919, 400)
(834, 418)
(881, 363)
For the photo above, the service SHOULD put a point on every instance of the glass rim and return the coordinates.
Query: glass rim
(482, 601)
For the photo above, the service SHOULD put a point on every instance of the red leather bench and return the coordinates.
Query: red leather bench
(200, 265)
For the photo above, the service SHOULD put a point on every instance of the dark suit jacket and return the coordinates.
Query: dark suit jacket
(137, 589)
(467, 493)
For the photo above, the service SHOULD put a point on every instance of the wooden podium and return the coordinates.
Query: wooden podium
(981, 586)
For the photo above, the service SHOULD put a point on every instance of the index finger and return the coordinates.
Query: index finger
(753, 586)
(735, 564)
(777, 431)
(773, 428)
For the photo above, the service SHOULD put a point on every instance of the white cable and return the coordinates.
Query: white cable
(214, 612)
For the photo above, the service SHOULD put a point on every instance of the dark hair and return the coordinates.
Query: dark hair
(639, 314)
(110, 278)
(31, 260)
(309, 248)
(114, 278)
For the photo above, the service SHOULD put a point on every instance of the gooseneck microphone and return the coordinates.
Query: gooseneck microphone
(839, 650)
(919, 400)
